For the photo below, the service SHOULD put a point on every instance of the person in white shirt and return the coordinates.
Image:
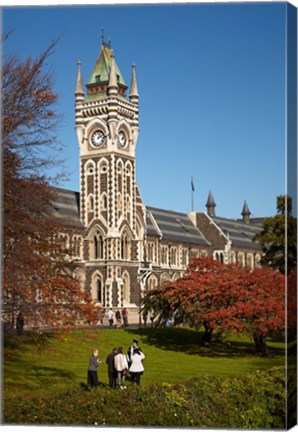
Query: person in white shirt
(110, 315)
(136, 368)
(121, 366)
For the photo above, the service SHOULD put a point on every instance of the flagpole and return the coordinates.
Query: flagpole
(192, 194)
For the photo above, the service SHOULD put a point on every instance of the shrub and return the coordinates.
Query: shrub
(256, 400)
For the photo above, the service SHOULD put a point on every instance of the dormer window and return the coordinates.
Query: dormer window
(97, 78)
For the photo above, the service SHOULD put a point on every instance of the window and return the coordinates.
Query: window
(125, 247)
(151, 251)
(104, 202)
(76, 246)
(63, 243)
(100, 292)
(250, 261)
(126, 288)
(173, 255)
(184, 257)
(90, 203)
(241, 258)
(194, 253)
(98, 245)
(152, 282)
(120, 206)
(164, 255)
(218, 256)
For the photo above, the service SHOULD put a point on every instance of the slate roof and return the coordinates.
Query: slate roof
(240, 233)
(101, 70)
(173, 226)
(170, 225)
(66, 206)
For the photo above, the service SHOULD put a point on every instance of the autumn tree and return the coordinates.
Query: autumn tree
(225, 297)
(278, 237)
(38, 276)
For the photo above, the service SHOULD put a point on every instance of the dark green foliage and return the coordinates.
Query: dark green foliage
(278, 237)
(256, 400)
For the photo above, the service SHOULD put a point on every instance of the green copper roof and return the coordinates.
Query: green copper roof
(102, 68)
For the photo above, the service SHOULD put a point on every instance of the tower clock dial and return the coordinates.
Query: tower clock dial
(97, 138)
(122, 139)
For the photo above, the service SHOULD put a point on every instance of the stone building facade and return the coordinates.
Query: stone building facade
(120, 245)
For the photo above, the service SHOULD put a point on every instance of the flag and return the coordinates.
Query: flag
(192, 185)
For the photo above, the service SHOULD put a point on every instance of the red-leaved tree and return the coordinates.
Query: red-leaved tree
(38, 274)
(225, 297)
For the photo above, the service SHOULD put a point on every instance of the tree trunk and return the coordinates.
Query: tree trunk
(260, 343)
(207, 334)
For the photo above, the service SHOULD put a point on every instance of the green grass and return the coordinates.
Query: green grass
(184, 384)
(46, 364)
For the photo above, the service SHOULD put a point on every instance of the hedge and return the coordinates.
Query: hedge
(256, 400)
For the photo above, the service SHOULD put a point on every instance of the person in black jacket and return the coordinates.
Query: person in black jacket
(112, 373)
(92, 369)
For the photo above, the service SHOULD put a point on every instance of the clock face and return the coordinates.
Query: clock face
(97, 138)
(122, 139)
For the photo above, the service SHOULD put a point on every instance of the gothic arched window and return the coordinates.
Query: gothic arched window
(104, 202)
(76, 246)
(98, 246)
(125, 247)
(100, 292)
(90, 203)
(98, 288)
(126, 288)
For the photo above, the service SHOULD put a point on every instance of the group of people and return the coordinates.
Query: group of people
(118, 315)
(119, 366)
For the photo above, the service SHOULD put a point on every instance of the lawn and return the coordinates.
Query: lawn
(49, 364)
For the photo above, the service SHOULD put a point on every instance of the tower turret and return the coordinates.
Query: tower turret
(79, 93)
(210, 205)
(245, 212)
(112, 86)
(134, 95)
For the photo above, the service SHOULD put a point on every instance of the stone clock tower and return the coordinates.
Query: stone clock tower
(111, 209)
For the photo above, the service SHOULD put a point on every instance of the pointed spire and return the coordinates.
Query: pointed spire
(210, 205)
(133, 95)
(79, 93)
(245, 212)
(113, 86)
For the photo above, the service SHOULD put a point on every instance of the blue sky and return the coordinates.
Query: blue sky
(211, 80)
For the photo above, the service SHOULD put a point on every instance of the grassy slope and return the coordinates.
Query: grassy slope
(43, 366)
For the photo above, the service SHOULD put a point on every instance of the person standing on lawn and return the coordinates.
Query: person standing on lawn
(121, 366)
(92, 378)
(130, 351)
(110, 361)
(110, 315)
(118, 319)
(145, 316)
(124, 317)
(136, 368)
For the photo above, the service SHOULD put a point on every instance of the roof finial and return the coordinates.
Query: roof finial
(112, 86)
(245, 212)
(102, 36)
(79, 93)
(134, 95)
(210, 204)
